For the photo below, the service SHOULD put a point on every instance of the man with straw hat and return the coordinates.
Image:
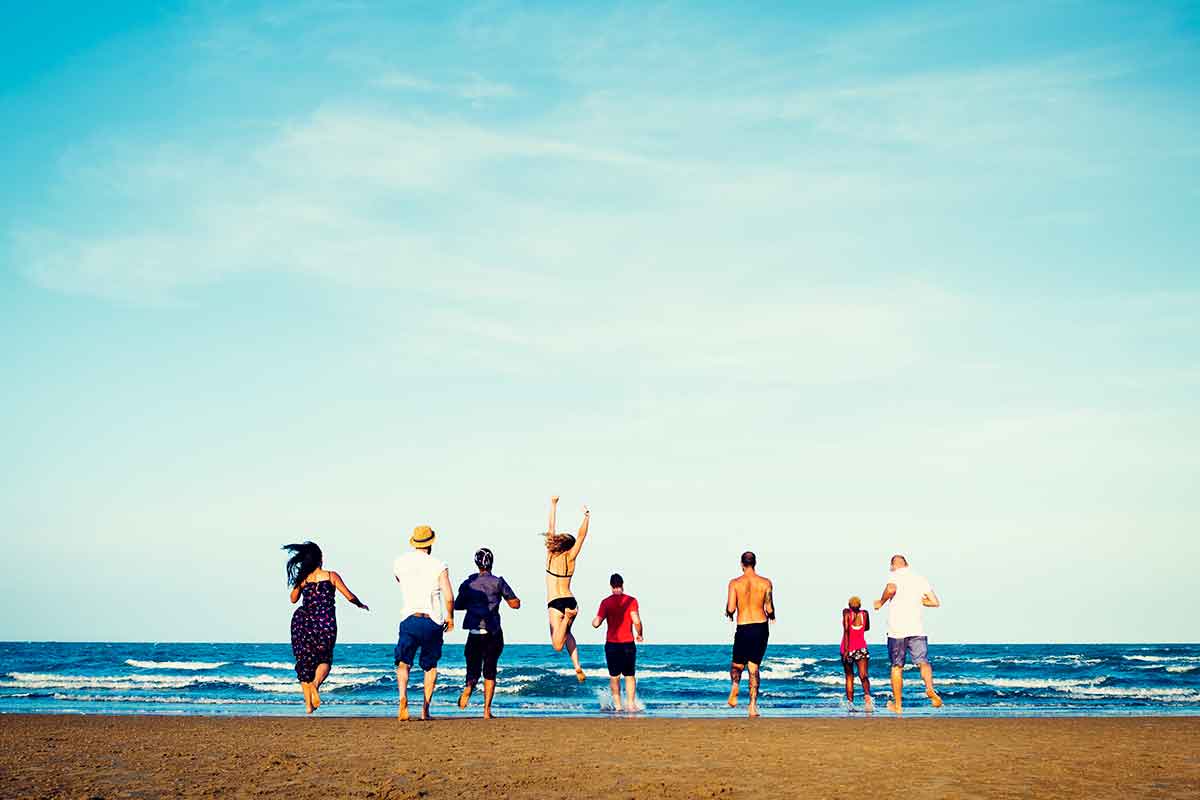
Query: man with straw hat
(427, 614)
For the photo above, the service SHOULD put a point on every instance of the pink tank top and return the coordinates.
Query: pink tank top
(857, 639)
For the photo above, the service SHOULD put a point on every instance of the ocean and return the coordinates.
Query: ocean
(674, 680)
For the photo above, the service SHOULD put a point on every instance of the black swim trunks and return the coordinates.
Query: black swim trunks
(750, 643)
(562, 604)
(621, 658)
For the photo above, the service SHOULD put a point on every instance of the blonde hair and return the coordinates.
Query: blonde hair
(855, 602)
(559, 542)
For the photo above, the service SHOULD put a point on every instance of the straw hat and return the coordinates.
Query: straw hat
(422, 536)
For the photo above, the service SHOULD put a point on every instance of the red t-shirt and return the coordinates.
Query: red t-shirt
(618, 610)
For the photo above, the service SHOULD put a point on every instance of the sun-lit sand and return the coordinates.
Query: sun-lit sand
(62, 756)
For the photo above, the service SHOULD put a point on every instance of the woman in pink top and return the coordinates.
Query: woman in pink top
(855, 624)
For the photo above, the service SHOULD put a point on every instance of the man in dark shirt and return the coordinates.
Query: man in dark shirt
(480, 596)
(620, 611)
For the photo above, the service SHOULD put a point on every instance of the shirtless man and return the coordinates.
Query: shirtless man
(750, 598)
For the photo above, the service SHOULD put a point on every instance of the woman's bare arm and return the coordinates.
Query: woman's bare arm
(340, 585)
(295, 594)
(583, 531)
(847, 617)
(866, 620)
(553, 508)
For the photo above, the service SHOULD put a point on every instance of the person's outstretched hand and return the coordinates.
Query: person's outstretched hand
(878, 605)
(586, 511)
(554, 499)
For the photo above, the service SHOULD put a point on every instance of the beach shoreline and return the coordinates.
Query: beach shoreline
(190, 756)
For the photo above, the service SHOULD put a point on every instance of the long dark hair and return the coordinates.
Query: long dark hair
(306, 558)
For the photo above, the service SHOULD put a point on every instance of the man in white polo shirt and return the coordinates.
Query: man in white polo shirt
(427, 614)
(909, 594)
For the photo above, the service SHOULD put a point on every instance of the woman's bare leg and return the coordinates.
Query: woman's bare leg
(849, 682)
(864, 678)
(306, 689)
(319, 678)
(573, 652)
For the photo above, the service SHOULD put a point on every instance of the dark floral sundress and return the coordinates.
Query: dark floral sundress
(314, 629)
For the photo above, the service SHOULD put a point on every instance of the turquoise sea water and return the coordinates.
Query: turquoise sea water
(675, 680)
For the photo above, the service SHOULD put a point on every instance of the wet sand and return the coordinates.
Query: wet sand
(61, 756)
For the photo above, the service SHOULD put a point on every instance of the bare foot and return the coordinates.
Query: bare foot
(892, 707)
(487, 714)
(579, 674)
(754, 711)
(934, 698)
(869, 704)
(425, 715)
(465, 697)
(316, 698)
(733, 697)
(402, 714)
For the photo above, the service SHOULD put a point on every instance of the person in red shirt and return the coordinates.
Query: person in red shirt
(620, 611)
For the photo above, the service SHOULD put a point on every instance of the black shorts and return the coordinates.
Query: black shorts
(482, 652)
(750, 643)
(562, 604)
(621, 658)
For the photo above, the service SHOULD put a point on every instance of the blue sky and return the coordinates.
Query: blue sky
(824, 283)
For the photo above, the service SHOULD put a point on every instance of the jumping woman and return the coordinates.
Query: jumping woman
(855, 624)
(562, 549)
(314, 624)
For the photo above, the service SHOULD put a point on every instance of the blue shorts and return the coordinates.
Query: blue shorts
(915, 646)
(419, 633)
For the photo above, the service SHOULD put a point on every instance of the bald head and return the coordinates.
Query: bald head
(899, 561)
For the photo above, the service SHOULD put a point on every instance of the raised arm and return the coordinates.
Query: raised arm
(448, 596)
(340, 585)
(930, 599)
(889, 592)
(553, 508)
(579, 537)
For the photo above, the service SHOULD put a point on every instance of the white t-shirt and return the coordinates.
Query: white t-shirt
(418, 573)
(905, 613)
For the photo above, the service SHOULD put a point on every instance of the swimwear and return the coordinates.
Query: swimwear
(482, 653)
(562, 604)
(854, 644)
(621, 658)
(750, 643)
(564, 573)
(314, 629)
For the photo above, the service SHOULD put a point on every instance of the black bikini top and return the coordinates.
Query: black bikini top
(565, 562)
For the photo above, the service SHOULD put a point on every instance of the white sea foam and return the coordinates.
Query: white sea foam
(269, 665)
(190, 665)
(1185, 659)
(260, 683)
(1180, 669)
(1171, 695)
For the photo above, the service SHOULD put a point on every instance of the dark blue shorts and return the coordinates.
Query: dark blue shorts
(915, 646)
(419, 633)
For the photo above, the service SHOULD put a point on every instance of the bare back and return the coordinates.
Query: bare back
(751, 597)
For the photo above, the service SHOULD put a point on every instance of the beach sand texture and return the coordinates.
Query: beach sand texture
(62, 756)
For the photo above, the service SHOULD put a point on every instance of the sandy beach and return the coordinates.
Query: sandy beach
(61, 756)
